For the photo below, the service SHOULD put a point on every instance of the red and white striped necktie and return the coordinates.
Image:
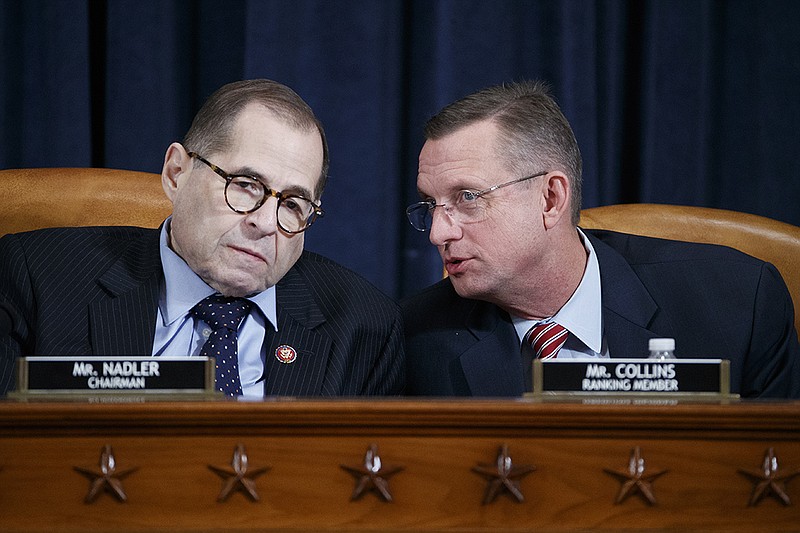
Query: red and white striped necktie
(547, 339)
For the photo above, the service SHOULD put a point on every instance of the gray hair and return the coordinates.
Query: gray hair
(211, 128)
(533, 130)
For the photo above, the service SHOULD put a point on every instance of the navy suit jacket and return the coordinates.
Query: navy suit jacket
(714, 301)
(94, 291)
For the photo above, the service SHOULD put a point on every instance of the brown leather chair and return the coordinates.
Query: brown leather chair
(49, 197)
(761, 237)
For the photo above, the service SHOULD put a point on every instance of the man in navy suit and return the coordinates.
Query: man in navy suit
(500, 187)
(245, 184)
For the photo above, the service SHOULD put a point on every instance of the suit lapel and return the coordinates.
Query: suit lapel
(123, 322)
(630, 315)
(492, 361)
(298, 316)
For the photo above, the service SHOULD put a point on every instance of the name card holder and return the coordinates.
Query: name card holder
(684, 378)
(98, 375)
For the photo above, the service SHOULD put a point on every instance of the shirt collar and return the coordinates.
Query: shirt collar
(582, 314)
(183, 289)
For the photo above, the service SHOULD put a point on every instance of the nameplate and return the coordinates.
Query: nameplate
(97, 374)
(632, 376)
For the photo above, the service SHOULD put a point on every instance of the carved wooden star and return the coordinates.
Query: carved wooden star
(372, 475)
(768, 481)
(635, 479)
(503, 476)
(241, 477)
(108, 478)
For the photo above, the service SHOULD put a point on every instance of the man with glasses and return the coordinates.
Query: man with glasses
(500, 192)
(226, 274)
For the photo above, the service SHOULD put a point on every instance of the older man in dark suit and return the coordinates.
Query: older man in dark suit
(500, 184)
(226, 275)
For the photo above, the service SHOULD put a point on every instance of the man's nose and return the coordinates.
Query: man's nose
(265, 218)
(443, 227)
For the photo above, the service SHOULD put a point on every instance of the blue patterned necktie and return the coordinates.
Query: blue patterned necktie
(223, 314)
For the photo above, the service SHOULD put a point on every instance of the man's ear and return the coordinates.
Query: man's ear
(556, 193)
(176, 163)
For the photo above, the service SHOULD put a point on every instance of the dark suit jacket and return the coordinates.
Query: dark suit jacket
(94, 291)
(714, 301)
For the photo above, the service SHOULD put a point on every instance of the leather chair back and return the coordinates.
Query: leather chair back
(36, 198)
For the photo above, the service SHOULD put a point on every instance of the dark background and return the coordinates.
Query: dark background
(691, 102)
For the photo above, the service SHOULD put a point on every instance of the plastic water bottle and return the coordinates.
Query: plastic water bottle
(662, 349)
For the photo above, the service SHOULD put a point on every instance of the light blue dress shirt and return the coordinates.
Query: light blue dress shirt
(178, 333)
(582, 315)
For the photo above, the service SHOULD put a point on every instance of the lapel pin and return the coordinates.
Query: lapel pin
(285, 354)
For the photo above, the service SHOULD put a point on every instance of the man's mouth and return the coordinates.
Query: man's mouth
(455, 265)
(251, 253)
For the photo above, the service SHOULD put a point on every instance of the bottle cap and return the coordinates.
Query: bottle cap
(661, 345)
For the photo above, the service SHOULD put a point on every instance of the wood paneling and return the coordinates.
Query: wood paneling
(437, 443)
